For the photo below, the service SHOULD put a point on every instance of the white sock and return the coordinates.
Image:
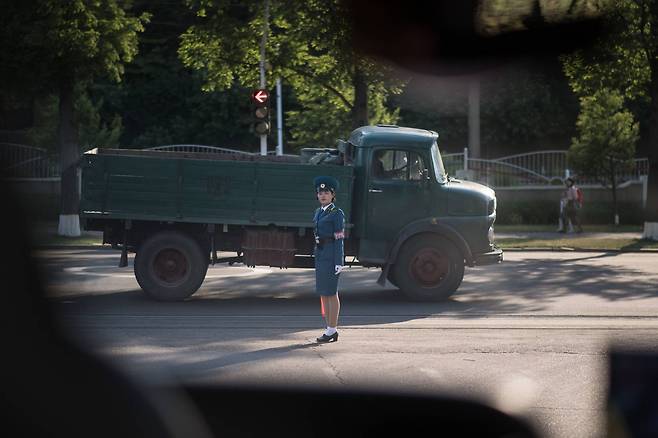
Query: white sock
(330, 331)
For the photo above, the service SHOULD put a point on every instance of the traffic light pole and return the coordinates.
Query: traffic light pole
(263, 138)
(279, 119)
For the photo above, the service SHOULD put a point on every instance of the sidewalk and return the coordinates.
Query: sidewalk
(542, 235)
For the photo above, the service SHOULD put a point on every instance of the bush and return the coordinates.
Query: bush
(542, 212)
(630, 213)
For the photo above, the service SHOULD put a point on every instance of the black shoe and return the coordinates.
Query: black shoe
(325, 339)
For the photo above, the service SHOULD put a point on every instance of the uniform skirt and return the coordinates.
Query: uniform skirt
(326, 280)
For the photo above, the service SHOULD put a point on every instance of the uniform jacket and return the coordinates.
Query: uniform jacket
(330, 224)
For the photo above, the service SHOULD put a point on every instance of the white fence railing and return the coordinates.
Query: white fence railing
(208, 149)
(21, 161)
(533, 168)
(197, 148)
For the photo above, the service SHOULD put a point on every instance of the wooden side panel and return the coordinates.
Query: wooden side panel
(213, 191)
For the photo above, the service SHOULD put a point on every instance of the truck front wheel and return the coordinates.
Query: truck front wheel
(170, 266)
(429, 268)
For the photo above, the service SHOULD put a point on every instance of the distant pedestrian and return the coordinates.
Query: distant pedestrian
(570, 205)
(329, 253)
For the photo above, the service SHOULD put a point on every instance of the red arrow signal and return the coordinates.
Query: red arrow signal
(260, 96)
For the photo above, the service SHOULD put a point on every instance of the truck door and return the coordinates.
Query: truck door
(397, 193)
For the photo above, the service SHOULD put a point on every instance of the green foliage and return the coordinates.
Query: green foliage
(525, 107)
(94, 131)
(162, 101)
(607, 134)
(619, 59)
(527, 212)
(308, 46)
(43, 133)
(50, 42)
(547, 212)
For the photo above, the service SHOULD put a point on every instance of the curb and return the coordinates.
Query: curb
(556, 249)
(569, 249)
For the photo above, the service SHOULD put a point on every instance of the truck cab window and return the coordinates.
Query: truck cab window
(416, 167)
(397, 165)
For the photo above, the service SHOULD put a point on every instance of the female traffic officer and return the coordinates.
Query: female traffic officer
(329, 233)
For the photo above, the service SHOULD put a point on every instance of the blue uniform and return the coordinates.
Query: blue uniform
(329, 252)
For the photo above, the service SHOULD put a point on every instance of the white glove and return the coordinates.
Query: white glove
(338, 269)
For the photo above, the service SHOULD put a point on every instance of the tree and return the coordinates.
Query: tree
(309, 46)
(58, 46)
(607, 134)
(94, 130)
(626, 60)
(161, 100)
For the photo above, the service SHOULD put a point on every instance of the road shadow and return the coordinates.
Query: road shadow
(513, 287)
(540, 280)
(525, 286)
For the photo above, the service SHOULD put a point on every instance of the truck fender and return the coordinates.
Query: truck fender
(431, 225)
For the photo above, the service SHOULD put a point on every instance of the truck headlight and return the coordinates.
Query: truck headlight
(490, 234)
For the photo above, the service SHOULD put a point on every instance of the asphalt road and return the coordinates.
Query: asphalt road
(530, 336)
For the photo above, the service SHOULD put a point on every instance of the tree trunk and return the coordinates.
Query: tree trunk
(69, 222)
(613, 180)
(360, 108)
(651, 212)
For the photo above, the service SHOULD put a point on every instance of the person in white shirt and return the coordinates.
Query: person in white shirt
(569, 207)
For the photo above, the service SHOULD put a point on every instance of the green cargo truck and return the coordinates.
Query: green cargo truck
(177, 210)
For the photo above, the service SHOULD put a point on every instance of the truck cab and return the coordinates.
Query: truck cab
(421, 225)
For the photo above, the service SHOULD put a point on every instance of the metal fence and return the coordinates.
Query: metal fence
(533, 168)
(551, 164)
(197, 148)
(501, 174)
(209, 149)
(21, 161)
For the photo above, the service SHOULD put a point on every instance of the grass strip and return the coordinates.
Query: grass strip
(580, 243)
(552, 228)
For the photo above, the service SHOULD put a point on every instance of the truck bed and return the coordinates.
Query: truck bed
(204, 188)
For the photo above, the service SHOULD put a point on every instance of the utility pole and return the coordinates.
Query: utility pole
(263, 137)
(474, 118)
(279, 118)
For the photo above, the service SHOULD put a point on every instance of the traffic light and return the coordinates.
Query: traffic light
(260, 111)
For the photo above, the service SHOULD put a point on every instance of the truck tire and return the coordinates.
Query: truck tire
(429, 268)
(170, 266)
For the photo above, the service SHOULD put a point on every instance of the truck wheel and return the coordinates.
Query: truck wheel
(170, 266)
(429, 268)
